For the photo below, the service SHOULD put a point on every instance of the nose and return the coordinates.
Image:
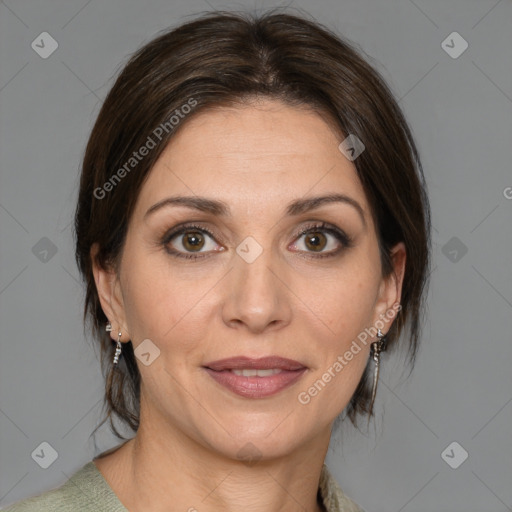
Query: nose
(256, 295)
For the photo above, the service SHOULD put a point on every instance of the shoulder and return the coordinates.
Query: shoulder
(334, 498)
(86, 490)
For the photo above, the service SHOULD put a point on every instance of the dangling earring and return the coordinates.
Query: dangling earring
(376, 348)
(108, 328)
(118, 349)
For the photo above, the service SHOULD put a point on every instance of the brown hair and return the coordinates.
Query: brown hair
(228, 58)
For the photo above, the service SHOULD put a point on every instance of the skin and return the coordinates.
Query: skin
(256, 159)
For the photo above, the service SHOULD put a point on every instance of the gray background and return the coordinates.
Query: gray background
(460, 110)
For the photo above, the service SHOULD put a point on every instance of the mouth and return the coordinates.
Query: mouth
(260, 363)
(255, 378)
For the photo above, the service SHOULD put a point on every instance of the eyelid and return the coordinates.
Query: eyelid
(184, 227)
(321, 226)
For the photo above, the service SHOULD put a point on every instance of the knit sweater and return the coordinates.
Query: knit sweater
(88, 491)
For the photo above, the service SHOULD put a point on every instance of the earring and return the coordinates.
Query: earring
(376, 348)
(118, 350)
(108, 328)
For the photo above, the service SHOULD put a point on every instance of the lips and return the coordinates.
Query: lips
(255, 378)
(262, 363)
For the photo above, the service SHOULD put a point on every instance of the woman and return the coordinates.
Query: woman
(253, 230)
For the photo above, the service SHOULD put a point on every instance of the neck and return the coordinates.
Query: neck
(154, 470)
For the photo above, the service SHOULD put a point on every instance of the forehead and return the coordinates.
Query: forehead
(257, 130)
(256, 156)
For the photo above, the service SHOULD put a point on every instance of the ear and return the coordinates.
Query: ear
(390, 291)
(110, 296)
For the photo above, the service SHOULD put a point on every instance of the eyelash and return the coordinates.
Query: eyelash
(323, 227)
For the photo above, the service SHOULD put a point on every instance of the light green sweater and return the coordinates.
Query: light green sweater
(88, 491)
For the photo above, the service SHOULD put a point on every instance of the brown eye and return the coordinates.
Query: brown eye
(193, 240)
(324, 240)
(315, 241)
(190, 242)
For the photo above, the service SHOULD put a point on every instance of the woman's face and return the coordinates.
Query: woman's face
(246, 282)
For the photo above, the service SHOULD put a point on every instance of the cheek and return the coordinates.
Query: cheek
(345, 309)
(353, 311)
(342, 301)
(160, 303)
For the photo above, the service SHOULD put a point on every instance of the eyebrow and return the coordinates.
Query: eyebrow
(220, 208)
